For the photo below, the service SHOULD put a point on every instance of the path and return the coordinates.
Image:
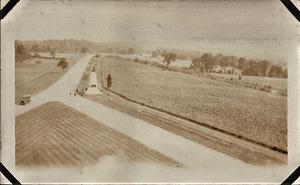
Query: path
(60, 89)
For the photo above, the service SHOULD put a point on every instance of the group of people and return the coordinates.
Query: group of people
(108, 83)
(74, 93)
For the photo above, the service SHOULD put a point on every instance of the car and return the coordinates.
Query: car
(26, 99)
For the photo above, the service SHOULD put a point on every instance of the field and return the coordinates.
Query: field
(248, 113)
(278, 83)
(55, 134)
(36, 74)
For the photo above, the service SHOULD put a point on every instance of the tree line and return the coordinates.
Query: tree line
(249, 67)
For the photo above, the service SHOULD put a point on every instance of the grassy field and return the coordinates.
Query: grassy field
(36, 74)
(278, 83)
(256, 115)
(55, 134)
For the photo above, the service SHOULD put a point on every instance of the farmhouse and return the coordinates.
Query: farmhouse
(237, 71)
(217, 69)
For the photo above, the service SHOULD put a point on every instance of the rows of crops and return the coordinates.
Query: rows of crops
(54, 134)
(247, 113)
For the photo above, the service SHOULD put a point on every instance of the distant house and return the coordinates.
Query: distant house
(229, 70)
(217, 69)
(237, 71)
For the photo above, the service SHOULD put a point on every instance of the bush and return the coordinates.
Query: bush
(36, 55)
(62, 64)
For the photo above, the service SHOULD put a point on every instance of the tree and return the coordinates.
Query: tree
(285, 73)
(20, 49)
(35, 48)
(63, 64)
(276, 71)
(264, 66)
(52, 53)
(130, 51)
(84, 50)
(207, 61)
(241, 62)
(197, 65)
(168, 58)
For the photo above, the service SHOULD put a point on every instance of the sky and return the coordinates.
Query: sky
(254, 28)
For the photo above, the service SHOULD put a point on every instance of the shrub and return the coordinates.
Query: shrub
(36, 55)
(62, 64)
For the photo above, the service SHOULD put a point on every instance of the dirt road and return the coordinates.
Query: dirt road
(59, 90)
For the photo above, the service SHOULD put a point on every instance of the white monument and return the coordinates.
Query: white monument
(93, 85)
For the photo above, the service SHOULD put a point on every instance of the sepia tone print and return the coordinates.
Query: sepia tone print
(170, 96)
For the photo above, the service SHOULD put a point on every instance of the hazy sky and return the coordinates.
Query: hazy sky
(253, 27)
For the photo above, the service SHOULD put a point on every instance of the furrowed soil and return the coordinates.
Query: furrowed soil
(247, 113)
(55, 134)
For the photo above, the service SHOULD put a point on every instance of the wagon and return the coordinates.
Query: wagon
(25, 99)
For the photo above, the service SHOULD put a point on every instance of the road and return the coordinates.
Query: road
(59, 90)
(202, 163)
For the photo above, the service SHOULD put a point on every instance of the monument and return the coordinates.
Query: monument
(93, 85)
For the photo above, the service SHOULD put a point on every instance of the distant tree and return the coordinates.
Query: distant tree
(62, 64)
(285, 73)
(276, 71)
(241, 62)
(48, 49)
(35, 48)
(197, 65)
(84, 50)
(52, 53)
(264, 66)
(130, 51)
(20, 49)
(207, 61)
(168, 58)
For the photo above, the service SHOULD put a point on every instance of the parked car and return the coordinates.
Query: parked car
(26, 99)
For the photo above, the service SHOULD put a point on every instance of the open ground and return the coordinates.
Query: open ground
(34, 75)
(194, 156)
(247, 113)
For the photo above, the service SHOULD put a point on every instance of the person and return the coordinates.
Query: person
(109, 80)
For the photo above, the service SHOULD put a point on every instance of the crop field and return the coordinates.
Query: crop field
(55, 134)
(36, 74)
(278, 83)
(247, 113)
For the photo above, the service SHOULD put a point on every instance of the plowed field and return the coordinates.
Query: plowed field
(247, 113)
(55, 134)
